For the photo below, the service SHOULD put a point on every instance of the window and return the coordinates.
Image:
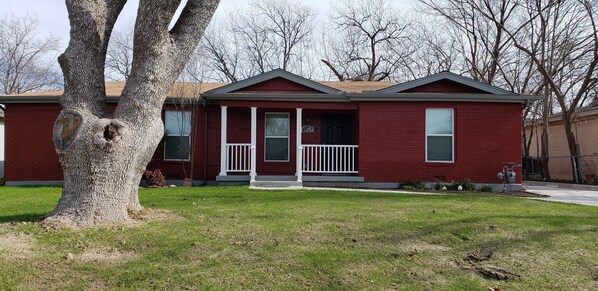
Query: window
(277, 137)
(177, 125)
(439, 135)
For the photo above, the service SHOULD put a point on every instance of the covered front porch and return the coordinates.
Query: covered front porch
(288, 144)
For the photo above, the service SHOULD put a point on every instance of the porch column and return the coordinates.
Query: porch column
(223, 154)
(299, 161)
(253, 146)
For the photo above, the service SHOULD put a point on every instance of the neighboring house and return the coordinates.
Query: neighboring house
(370, 134)
(585, 129)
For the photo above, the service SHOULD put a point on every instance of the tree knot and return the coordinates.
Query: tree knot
(66, 129)
(110, 132)
(107, 132)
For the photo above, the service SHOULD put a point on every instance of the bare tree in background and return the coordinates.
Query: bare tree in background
(104, 155)
(119, 58)
(567, 36)
(223, 51)
(482, 39)
(435, 52)
(368, 40)
(288, 24)
(272, 34)
(26, 60)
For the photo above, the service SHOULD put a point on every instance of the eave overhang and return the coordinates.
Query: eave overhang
(56, 99)
(443, 97)
(283, 97)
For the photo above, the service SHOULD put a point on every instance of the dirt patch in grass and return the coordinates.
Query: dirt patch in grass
(147, 215)
(104, 256)
(16, 246)
(417, 246)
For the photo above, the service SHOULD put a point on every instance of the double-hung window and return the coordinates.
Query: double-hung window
(277, 137)
(440, 135)
(177, 125)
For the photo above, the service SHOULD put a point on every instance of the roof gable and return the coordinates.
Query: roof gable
(444, 82)
(277, 84)
(282, 79)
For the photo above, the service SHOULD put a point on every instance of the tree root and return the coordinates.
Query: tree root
(473, 262)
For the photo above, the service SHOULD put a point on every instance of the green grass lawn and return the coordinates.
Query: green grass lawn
(235, 238)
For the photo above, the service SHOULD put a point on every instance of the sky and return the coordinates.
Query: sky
(53, 17)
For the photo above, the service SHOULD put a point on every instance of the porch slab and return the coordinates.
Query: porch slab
(276, 184)
(244, 179)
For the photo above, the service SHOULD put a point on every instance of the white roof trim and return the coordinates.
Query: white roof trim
(445, 76)
(277, 73)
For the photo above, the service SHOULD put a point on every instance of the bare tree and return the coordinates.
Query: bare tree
(26, 59)
(567, 37)
(223, 51)
(482, 39)
(119, 57)
(368, 40)
(436, 52)
(272, 34)
(289, 24)
(188, 103)
(103, 156)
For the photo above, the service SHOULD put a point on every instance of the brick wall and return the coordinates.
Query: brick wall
(29, 153)
(391, 138)
(392, 141)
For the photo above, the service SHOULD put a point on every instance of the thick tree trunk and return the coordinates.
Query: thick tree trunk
(103, 156)
(102, 161)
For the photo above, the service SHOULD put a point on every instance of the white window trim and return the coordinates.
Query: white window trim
(288, 137)
(190, 127)
(452, 135)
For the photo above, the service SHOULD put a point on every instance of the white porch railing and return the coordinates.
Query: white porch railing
(329, 159)
(238, 157)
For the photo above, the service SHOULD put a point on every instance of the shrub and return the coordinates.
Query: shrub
(439, 186)
(486, 189)
(154, 178)
(467, 185)
(410, 185)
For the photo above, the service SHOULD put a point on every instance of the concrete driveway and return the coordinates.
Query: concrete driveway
(567, 193)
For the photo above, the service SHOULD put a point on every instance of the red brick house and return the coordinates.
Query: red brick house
(370, 134)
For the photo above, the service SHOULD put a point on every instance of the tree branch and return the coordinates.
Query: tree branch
(91, 25)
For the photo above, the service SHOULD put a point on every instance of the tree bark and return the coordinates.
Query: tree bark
(545, 145)
(573, 149)
(103, 156)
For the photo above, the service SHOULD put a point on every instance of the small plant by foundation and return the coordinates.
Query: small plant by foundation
(154, 178)
(410, 185)
(440, 186)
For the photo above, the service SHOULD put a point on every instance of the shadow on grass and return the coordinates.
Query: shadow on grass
(22, 217)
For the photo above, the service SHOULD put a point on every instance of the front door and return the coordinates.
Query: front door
(336, 129)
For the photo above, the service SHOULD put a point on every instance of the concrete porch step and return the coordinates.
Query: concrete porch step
(276, 184)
